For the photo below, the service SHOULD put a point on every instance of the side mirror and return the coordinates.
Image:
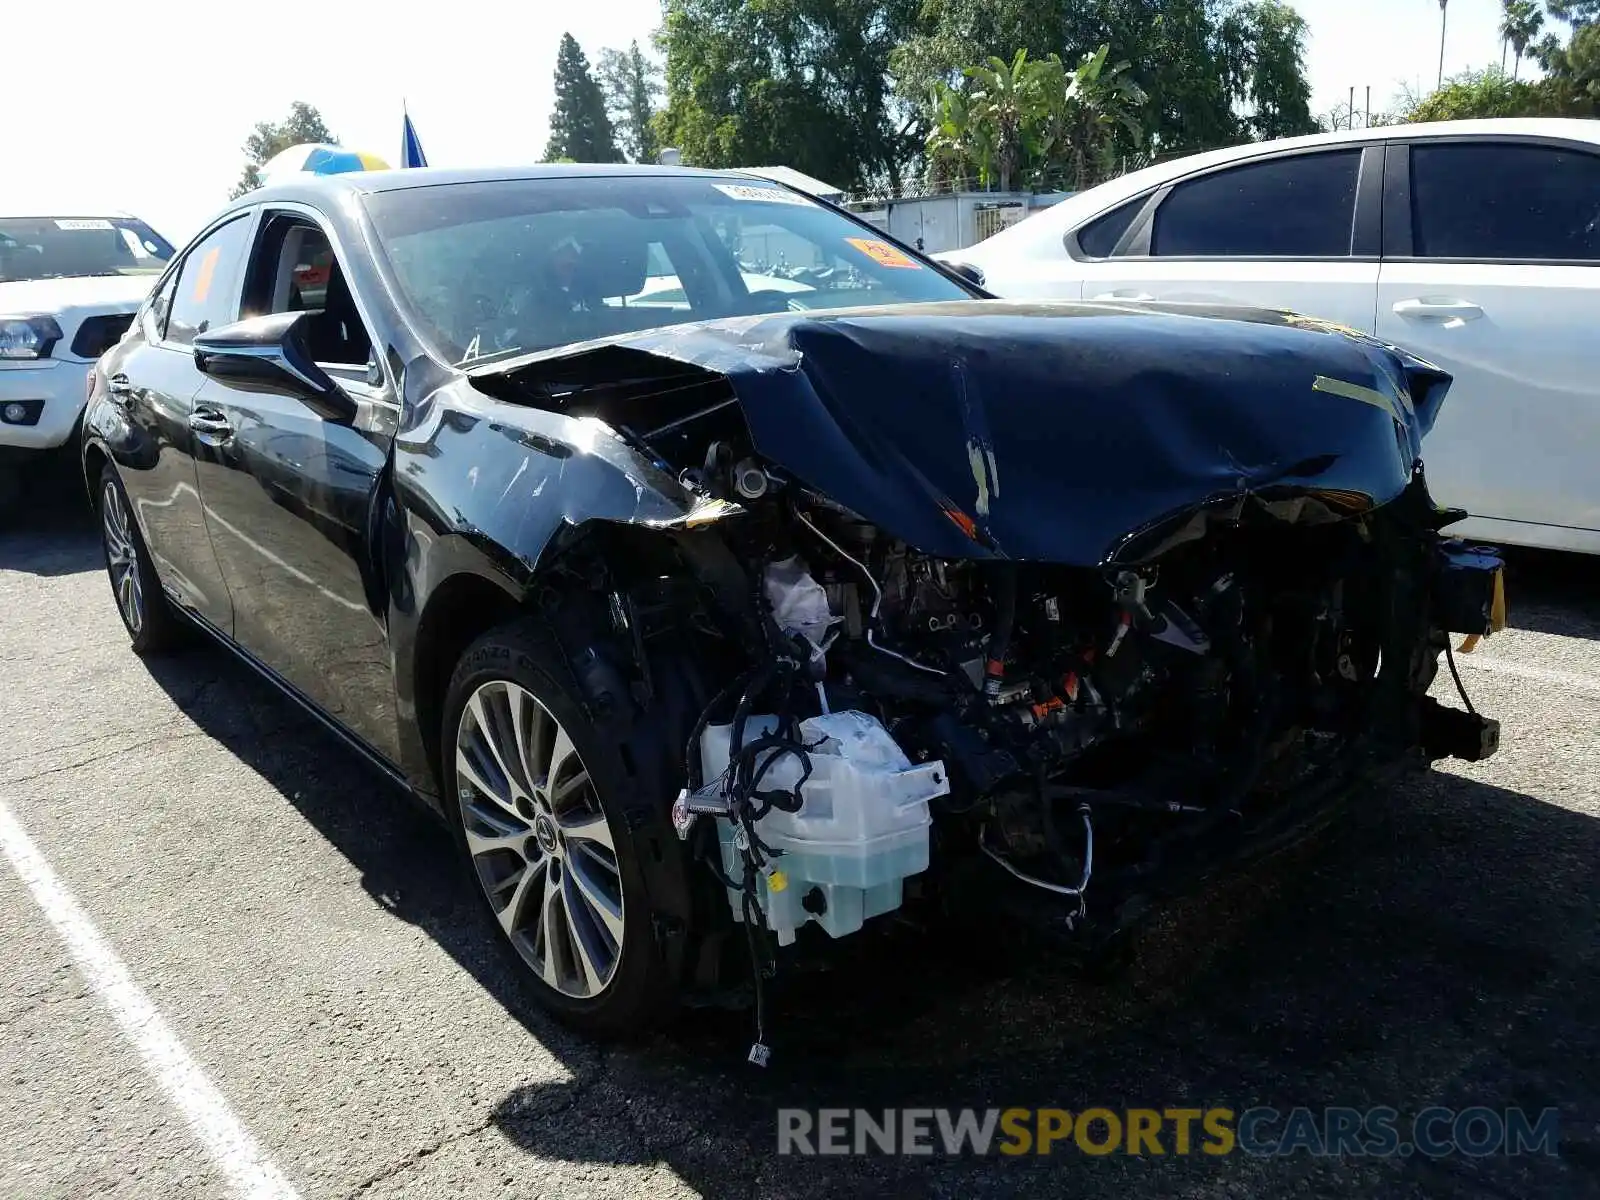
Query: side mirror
(270, 353)
(967, 271)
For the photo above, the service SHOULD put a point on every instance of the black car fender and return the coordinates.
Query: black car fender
(472, 547)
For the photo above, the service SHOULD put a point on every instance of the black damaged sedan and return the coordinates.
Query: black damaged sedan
(726, 575)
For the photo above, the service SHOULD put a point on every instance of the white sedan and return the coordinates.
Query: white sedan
(1474, 244)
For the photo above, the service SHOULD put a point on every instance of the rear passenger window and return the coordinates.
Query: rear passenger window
(208, 283)
(1100, 236)
(1301, 206)
(1486, 201)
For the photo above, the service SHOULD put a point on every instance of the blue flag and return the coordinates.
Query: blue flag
(411, 146)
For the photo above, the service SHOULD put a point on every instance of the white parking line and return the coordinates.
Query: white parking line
(247, 1169)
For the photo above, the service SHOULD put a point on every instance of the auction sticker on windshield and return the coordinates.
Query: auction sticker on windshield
(766, 195)
(884, 254)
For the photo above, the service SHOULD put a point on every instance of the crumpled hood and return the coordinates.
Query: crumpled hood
(1056, 432)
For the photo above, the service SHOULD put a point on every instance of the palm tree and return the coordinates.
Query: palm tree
(1004, 104)
(957, 147)
(1443, 15)
(1519, 26)
(1082, 110)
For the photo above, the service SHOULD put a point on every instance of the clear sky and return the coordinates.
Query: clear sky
(147, 110)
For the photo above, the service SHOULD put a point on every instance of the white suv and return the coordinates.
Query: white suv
(1475, 244)
(69, 286)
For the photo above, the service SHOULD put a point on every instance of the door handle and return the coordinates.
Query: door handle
(210, 422)
(1123, 295)
(120, 389)
(1424, 309)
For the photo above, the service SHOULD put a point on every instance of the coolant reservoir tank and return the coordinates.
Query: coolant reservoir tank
(861, 830)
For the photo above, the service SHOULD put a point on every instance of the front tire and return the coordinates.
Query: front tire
(535, 782)
(151, 623)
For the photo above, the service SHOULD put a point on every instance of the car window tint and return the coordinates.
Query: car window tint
(1100, 236)
(1301, 206)
(208, 283)
(1486, 200)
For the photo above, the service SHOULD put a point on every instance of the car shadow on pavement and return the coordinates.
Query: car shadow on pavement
(1436, 946)
(1549, 592)
(51, 530)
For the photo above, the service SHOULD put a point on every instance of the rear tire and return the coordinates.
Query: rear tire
(153, 625)
(536, 781)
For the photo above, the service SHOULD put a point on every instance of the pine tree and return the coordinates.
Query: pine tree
(631, 83)
(580, 131)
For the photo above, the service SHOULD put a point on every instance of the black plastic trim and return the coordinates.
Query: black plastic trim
(94, 337)
(1397, 201)
(1366, 236)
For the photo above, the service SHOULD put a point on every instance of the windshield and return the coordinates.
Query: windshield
(59, 247)
(512, 266)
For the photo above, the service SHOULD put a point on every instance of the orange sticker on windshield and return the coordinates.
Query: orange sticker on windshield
(208, 268)
(884, 254)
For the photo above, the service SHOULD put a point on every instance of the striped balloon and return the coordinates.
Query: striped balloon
(319, 159)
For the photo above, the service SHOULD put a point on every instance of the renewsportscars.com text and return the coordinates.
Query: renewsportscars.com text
(1261, 1131)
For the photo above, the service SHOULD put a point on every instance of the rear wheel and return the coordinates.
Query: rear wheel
(536, 782)
(152, 624)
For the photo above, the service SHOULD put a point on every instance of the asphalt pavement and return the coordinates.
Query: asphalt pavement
(305, 946)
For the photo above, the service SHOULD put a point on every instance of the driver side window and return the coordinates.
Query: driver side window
(296, 270)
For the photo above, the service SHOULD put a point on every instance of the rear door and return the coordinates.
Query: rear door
(1492, 271)
(292, 498)
(153, 379)
(1296, 231)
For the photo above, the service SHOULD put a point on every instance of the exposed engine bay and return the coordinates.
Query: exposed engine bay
(1079, 741)
(1071, 733)
(1084, 717)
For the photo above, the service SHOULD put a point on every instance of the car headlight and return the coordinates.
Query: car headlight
(28, 337)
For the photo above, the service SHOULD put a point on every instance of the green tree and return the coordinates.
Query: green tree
(1573, 68)
(631, 83)
(1087, 111)
(1214, 71)
(1005, 100)
(796, 82)
(1520, 24)
(1575, 12)
(958, 147)
(303, 124)
(1270, 41)
(579, 128)
(1481, 94)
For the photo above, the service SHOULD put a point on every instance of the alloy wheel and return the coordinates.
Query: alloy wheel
(122, 557)
(538, 839)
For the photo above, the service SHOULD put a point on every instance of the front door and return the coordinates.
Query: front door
(152, 377)
(1497, 280)
(292, 499)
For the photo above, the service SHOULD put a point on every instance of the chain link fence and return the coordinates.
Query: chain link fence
(1053, 179)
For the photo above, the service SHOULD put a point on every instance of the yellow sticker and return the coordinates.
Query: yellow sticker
(884, 254)
(777, 881)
